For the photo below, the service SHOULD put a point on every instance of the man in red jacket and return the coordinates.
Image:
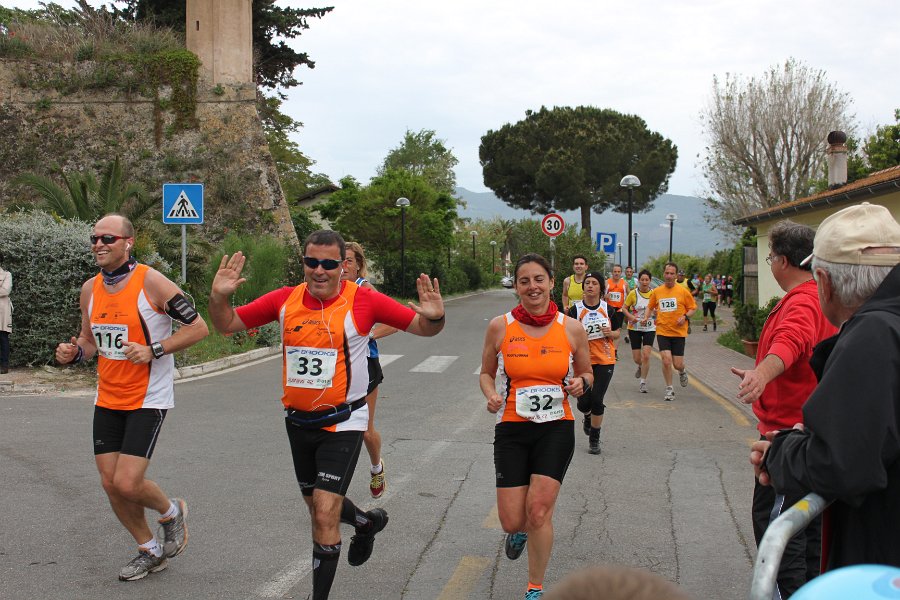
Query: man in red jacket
(782, 381)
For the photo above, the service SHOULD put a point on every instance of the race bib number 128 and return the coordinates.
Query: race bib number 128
(668, 305)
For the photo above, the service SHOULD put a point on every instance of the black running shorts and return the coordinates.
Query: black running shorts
(525, 449)
(616, 317)
(640, 338)
(376, 375)
(132, 432)
(675, 345)
(324, 459)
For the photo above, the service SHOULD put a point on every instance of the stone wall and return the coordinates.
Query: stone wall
(48, 130)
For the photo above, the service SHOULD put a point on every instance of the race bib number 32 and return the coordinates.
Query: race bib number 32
(540, 403)
(310, 367)
(110, 339)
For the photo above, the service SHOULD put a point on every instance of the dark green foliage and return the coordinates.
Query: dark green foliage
(266, 268)
(49, 260)
(573, 159)
(749, 318)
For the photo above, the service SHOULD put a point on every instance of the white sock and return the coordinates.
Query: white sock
(172, 512)
(376, 469)
(152, 547)
(643, 380)
(669, 387)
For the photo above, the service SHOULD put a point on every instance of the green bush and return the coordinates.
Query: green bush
(749, 318)
(266, 268)
(49, 260)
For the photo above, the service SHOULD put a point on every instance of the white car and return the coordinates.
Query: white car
(507, 281)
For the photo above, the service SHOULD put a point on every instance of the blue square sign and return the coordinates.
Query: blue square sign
(606, 242)
(182, 203)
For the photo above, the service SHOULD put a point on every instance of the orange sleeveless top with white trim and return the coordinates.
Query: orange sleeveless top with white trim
(128, 315)
(324, 359)
(603, 351)
(615, 292)
(533, 373)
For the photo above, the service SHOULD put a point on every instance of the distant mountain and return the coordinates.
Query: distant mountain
(691, 234)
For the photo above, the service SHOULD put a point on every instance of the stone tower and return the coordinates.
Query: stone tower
(219, 32)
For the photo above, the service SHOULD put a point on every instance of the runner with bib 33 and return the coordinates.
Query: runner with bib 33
(534, 438)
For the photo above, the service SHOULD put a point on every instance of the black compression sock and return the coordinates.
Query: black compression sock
(351, 515)
(325, 561)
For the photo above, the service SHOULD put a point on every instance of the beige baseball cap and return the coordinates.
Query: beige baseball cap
(842, 237)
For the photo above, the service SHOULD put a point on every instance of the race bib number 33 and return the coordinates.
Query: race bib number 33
(110, 339)
(540, 403)
(310, 367)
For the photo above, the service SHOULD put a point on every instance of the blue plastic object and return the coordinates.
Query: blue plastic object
(859, 582)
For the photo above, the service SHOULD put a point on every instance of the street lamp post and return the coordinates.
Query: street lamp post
(635, 234)
(630, 182)
(493, 248)
(619, 246)
(402, 203)
(474, 233)
(671, 218)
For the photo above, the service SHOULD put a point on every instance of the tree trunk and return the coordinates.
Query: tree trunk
(586, 219)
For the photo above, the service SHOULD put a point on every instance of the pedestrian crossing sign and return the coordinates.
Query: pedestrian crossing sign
(182, 203)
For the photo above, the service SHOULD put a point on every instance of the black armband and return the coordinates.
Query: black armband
(181, 309)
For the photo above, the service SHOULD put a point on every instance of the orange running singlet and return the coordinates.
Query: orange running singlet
(128, 315)
(602, 349)
(325, 357)
(615, 292)
(533, 373)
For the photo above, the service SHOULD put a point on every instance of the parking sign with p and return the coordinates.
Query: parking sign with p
(606, 242)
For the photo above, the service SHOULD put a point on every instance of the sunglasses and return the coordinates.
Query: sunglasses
(107, 238)
(329, 264)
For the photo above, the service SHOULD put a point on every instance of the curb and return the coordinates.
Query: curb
(189, 372)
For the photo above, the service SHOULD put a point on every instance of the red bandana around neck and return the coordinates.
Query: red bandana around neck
(526, 318)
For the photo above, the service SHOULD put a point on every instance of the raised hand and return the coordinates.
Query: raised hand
(228, 277)
(431, 305)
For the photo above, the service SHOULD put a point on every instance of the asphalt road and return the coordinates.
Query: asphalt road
(670, 492)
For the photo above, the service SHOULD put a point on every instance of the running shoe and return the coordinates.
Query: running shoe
(705, 328)
(683, 378)
(714, 325)
(175, 531)
(643, 387)
(142, 565)
(670, 394)
(515, 544)
(533, 594)
(362, 543)
(587, 424)
(594, 445)
(377, 484)
(637, 374)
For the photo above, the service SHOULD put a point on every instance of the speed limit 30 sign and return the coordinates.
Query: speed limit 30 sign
(553, 225)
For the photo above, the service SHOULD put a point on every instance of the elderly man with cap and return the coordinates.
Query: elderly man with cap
(848, 448)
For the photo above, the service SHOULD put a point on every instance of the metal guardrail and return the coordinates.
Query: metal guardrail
(775, 540)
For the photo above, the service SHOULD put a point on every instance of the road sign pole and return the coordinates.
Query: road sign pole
(183, 254)
(553, 254)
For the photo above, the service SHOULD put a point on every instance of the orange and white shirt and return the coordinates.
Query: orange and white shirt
(670, 304)
(603, 351)
(615, 293)
(533, 373)
(128, 315)
(325, 356)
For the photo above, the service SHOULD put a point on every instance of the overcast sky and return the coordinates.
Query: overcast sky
(463, 67)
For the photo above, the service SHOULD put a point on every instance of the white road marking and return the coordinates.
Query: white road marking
(386, 359)
(434, 364)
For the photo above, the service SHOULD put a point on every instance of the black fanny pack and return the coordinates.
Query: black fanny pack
(318, 419)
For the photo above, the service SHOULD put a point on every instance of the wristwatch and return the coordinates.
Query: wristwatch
(157, 349)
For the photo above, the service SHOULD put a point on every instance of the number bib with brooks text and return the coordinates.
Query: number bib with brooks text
(310, 367)
(540, 403)
(593, 325)
(668, 305)
(110, 340)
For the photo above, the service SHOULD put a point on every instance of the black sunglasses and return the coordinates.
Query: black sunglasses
(329, 264)
(107, 238)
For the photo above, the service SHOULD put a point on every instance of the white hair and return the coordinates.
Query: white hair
(852, 284)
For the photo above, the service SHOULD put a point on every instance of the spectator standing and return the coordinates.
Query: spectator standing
(848, 447)
(781, 382)
(5, 316)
